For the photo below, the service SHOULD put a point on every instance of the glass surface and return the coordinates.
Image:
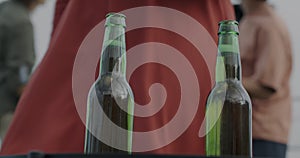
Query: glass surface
(110, 100)
(228, 107)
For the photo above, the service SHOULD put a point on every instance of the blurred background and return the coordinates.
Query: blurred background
(287, 10)
(42, 20)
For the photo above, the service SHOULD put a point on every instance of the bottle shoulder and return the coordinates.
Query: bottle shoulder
(112, 84)
(231, 91)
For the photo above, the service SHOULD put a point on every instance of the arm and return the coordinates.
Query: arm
(268, 73)
(257, 90)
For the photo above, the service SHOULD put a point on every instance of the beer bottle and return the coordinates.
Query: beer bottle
(110, 100)
(228, 107)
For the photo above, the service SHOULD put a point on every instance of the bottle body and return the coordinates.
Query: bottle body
(115, 107)
(109, 118)
(228, 107)
(229, 121)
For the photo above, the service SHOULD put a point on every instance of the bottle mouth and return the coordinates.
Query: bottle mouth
(115, 19)
(112, 14)
(229, 22)
(228, 27)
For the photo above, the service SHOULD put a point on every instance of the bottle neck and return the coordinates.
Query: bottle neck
(228, 60)
(113, 58)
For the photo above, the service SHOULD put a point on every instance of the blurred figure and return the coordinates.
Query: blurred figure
(267, 65)
(17, 54)
(47, 119)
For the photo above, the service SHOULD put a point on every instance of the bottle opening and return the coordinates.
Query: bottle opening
(115, 19)
(228, 27)
(228, 22)
(115, 15)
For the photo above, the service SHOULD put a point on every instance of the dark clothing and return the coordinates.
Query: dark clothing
(238, 12)
(265, 149)
(16, 52)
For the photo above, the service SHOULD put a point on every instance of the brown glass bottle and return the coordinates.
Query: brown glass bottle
(110, 100)
(228, 107)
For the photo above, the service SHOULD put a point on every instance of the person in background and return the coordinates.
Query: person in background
(266, 56)
(17, 54)
(46, 118)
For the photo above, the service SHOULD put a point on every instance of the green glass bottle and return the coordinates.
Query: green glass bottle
(228, 107)
(112, 93)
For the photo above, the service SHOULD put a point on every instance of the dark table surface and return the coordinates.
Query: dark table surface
(42, 155)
